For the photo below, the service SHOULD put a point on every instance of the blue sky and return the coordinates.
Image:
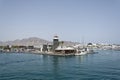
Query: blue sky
(94, 20)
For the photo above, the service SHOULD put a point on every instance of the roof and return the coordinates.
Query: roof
(64, 48)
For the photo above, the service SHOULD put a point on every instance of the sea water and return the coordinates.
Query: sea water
(104, 65)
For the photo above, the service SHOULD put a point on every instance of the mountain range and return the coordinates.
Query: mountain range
(33, 41)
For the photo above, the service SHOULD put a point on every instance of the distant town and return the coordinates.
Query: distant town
(55, 47)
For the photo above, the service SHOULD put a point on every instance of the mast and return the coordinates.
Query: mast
(83, 42)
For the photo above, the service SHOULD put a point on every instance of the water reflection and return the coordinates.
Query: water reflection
(45, 67)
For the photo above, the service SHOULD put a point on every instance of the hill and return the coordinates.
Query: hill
(33, 41)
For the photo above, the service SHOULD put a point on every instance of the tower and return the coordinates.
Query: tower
(55, 42)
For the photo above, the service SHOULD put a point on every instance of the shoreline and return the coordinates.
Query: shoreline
(43, 53)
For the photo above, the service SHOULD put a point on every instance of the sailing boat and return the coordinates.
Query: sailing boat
(84, 49)
(81, 49)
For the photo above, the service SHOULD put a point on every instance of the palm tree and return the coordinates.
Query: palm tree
(61, 43)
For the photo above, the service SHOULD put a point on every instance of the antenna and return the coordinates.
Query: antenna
(82, 41)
